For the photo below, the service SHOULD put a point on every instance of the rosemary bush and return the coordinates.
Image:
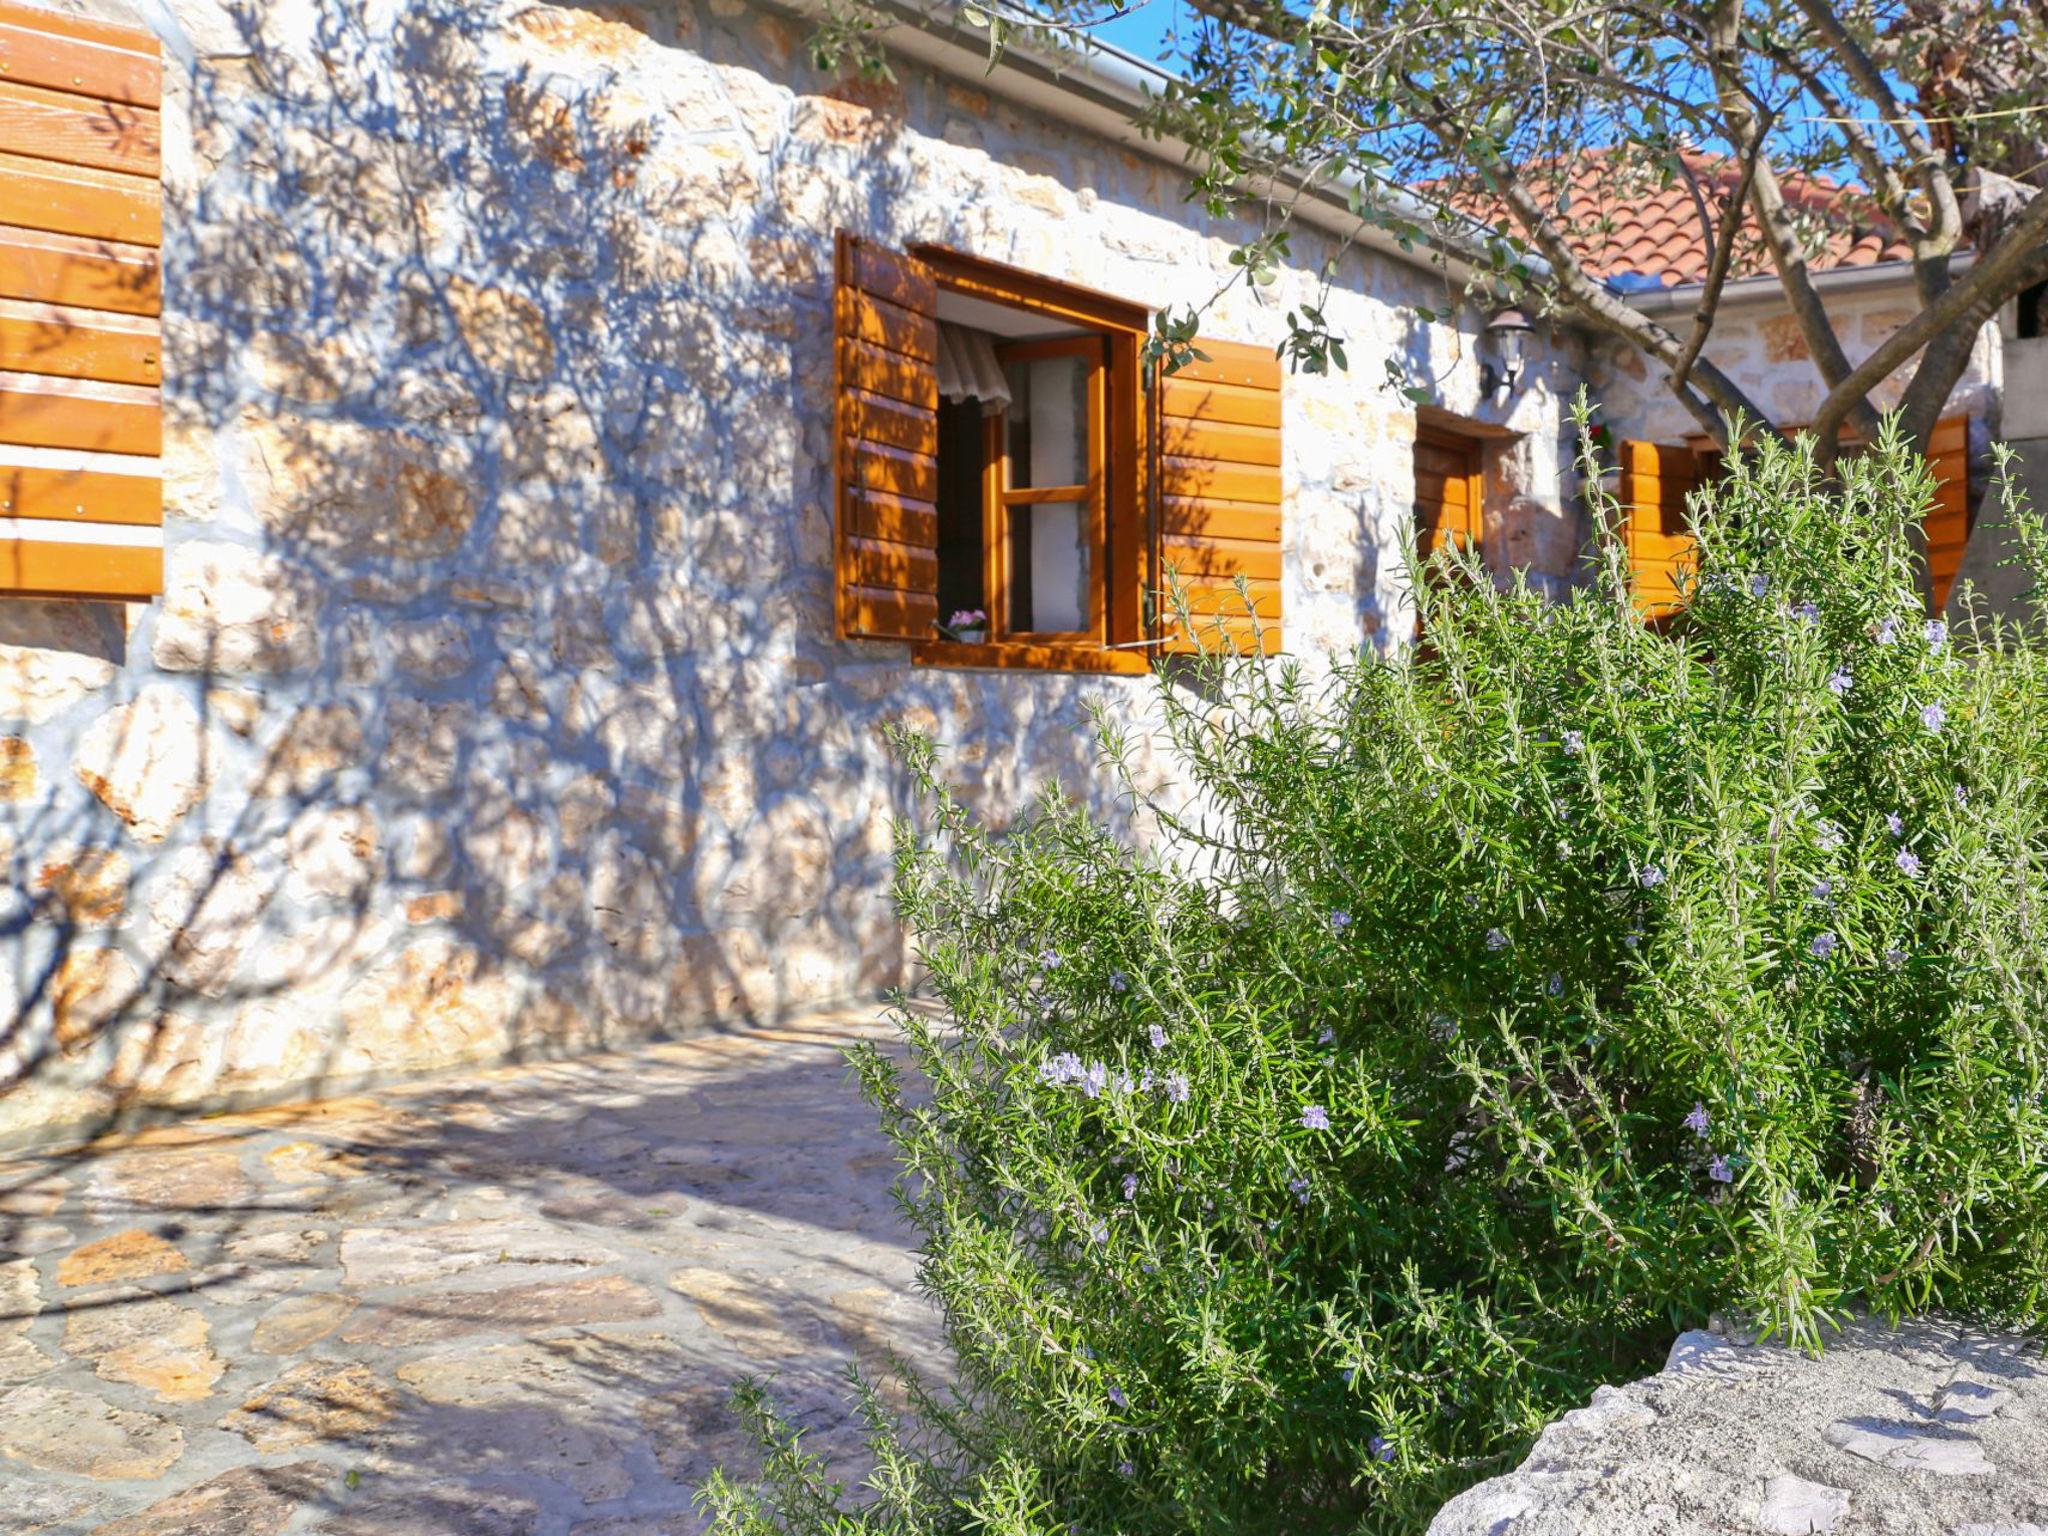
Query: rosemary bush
(1504, 1009)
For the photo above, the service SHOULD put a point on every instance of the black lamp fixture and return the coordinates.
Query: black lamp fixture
(1506, 331)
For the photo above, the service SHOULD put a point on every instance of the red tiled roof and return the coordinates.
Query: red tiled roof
(1621, 219)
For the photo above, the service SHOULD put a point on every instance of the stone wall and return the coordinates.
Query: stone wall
(494, 706)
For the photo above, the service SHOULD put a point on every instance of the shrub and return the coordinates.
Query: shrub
(1485, 1017)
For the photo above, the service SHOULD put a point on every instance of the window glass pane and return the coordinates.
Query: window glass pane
(1049, 567)
(1048, 422)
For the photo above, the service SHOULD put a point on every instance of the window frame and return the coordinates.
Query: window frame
(1126, 542)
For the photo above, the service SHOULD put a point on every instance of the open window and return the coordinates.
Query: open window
(999, 473)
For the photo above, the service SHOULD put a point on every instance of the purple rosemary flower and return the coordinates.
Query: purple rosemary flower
(1828, 836)
(1130, 1186)
(1177, 1087)
(1126, 1469)
(1496, 940)
(1759, 584)
(1937, 634)
(1841, 682)
(1094, 1078)
(1719, 1171)
(1339, 920)
(1894, 958)
(1315, 1118)
(1049, 958)
(1699, 1120)
(1121, 1083)
(1156, 1033)
(1888, 632)
(1807, 612)
(1574, 743)
(1116, 1395)
(1895, 824)
(1119, 982)
(1062, 1069)
(1933, 716)
(1099, 1233)
(1823, 889)
(1381, 1450)
(1908, 862)
(1823, 945)
(1300, 1187)
(1962, 795)
(1651, 877)
(1555, 986)
(1347, 1373)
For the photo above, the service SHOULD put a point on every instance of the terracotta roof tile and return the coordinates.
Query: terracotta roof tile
(1623, 221)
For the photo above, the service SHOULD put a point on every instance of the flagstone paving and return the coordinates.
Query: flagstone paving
(511, 1304)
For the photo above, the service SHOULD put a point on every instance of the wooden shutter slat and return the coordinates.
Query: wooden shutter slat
(31, 55)
(1181, 396)
(886, 468)
(903, 331)
(108, 34)
(38, 266)
(893, 519)
(879, 371)
(81, 496)
(1199, 518)
(894, 424)
(1224, 557)
(75, 200)
(1221, 490)
(74, 346)
(1227, 442)
(79, 130)
(1211, 478)
(53, 413)
(49, 568)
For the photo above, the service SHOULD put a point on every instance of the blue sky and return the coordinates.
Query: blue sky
(1144, 29)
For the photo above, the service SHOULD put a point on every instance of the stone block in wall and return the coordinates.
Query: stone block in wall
(230, 611)
(432, 1004)
(147, 760)
(91, 990)
(206, 909)
(331, 851)
(19, 775)
(82, 887)
(423, 748)
(353, 490)
(54, 654)
(318, 742)
(777, 869)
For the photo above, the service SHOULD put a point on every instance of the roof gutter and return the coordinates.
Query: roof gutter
(1101, 89)
(1830, 282)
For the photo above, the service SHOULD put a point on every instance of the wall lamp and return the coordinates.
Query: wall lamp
(1507, 331)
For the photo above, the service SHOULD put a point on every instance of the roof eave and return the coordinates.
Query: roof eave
(1101, 89)
(1748, 292)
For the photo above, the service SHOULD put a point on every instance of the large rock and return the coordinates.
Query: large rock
(229, 611)
(1930, 1430)
(147, 760)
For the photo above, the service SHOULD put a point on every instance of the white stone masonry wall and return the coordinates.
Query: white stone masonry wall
(494, 707)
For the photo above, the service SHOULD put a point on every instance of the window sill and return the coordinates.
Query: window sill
(1032, 658)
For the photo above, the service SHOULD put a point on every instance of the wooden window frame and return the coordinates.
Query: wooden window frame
(1119, 640)
(1002, 495)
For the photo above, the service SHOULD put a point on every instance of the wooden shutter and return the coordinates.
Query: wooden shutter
(1219, 482)
(81, 430)
(1655, 478)
(1948, 520)
(887, 431)
(1448, 491)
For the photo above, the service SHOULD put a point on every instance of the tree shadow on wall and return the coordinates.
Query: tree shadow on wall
(493, 708)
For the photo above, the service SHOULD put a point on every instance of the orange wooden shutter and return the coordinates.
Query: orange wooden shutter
(1219, 481)
(1948, 520)
(81, 425)
(1654, 480)
(1449, 507)
(887, 471)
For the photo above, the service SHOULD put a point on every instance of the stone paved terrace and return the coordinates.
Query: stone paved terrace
(510, 1304)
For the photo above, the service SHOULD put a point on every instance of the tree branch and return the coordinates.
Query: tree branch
(1717, 271)
(1998, 274)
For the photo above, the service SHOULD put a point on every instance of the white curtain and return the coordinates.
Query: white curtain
(968, 369)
